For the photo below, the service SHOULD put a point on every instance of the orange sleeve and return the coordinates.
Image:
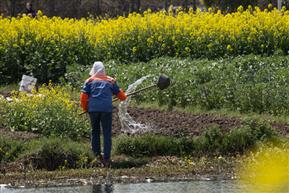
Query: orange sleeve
(84, 101)
(121, 95)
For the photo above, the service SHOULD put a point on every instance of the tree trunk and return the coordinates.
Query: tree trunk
(51, 8)
(195, 5)
(166, 4)
(125, 7)
(138, 2)
(185, 5)
(12, 8)
(131, 6)
(98, 9)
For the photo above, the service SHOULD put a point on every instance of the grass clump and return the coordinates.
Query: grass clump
(147, 145)
(47, 153)
(10, 149)
(212, 142)
(55, 153)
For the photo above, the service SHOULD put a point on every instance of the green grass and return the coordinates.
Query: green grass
(10, 149)
(212, 142)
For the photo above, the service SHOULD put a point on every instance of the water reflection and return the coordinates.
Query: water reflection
(170, 187)
(102, 188)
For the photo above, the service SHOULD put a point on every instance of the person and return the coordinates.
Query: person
(96, 99)
(29, 10)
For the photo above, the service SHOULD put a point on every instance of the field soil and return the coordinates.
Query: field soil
(176, 123)
(15, 135)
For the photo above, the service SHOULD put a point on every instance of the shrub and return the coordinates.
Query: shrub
(56, 153)
(211, 142)
(238, 140)
(10, 149)
(48, 112)
(147, 145)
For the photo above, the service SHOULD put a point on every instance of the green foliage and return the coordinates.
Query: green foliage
(239, 140)
(48, 112)
(212, 142)
(47, 153)
(147, 145)
(46, 60)
(245, 84)
(56, 153)
(76, 75)
(130, 162)
(10, 149)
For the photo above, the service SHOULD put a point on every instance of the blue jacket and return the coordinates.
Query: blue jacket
(99, 91)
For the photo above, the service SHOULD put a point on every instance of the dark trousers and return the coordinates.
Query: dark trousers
(103, 119)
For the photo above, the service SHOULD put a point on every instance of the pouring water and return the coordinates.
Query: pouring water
(128, 124)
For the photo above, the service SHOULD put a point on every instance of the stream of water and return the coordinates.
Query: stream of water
(128, 124)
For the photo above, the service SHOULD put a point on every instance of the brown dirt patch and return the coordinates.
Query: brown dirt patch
(176, 123)
(18, 135)
(5, 93)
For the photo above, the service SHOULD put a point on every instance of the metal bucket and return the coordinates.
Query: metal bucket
(164, 82)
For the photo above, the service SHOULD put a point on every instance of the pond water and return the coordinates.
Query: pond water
(168, 187)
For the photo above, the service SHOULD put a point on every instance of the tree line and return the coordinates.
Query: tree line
(84, 8)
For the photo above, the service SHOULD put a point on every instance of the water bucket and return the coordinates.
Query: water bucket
(27, 83)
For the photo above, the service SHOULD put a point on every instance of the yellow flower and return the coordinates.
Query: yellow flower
(268, 169)
(229, 48)
(210, 45)
(270, 6)
(151, 28)
(240, 9)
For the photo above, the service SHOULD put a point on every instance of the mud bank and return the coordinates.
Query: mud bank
(160, 169)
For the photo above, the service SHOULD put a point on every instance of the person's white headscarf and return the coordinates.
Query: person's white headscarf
(97, 68)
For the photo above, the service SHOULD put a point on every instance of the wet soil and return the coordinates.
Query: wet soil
(176, 123)
(167, 168)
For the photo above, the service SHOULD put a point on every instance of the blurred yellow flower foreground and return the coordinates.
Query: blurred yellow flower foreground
(267, 171)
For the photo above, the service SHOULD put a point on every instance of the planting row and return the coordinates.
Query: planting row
(46, 46)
